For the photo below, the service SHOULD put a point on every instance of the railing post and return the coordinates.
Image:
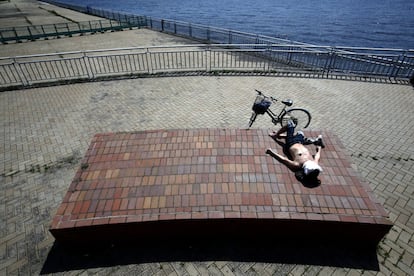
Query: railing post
(56, 31)
(289, 55)
(143, 19)
(79, 28)
(43, 30)
(88, 66)
(30, 33)
(67, 27)
(162, 25)
(256, 39)
(330, 61)
(397, 65)
(20, 73)
(269, 60)
(207, 52)
(3, 40)
(15, 35)
(149, 61)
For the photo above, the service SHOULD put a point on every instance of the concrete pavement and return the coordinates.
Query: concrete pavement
(45, 132)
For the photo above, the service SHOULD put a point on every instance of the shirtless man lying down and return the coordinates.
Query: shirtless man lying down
(298, 157)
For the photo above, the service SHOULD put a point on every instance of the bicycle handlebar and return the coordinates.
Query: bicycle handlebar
(262, 94)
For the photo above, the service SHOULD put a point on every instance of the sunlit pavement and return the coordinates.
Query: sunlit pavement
(45, 132)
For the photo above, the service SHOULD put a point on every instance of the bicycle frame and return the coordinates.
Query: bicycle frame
(262, 105)
(276, 118)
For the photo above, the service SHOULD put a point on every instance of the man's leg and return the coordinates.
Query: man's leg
(278, 134)
(289, 129)
(317, 142)
(289, 136)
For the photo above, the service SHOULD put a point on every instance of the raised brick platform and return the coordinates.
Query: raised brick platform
(215, 182)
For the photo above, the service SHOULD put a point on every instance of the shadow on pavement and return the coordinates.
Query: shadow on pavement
(64, 258)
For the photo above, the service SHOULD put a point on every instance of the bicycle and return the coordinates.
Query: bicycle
(300, 116)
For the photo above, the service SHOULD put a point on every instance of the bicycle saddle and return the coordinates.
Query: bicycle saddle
(288, 102)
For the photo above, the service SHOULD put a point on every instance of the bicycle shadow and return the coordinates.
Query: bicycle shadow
(61, 258)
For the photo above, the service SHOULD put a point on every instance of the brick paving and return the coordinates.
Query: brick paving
(215, 174)
(45, 133)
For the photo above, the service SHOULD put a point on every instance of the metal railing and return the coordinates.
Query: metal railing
(269, 59)
(232, 51)
(391, 63)
(19, 34)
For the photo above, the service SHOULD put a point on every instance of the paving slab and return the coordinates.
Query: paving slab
(17, 13)
(45, 132)
(212, 183)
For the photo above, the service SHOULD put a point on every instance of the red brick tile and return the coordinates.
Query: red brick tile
(331, 217)
(183, 216)
(124, 204)
(216, 215)
(154, 202)
(85, 206)
(281, 215)
(108, 205)
(311, 216)
(133, 219)
(298, 216)
(167, 216)
(132, 203)
(345, 218)
(117, 220)
(66, 224)
(199, 215)
(231, 214)
(247, 215)
(100, 221)
(147, 203)
(83, 223)
(265, 215)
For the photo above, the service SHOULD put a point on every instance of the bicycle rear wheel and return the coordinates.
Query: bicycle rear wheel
(301, 117)
(252, 119)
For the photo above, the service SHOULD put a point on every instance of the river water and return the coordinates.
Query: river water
(366, 23)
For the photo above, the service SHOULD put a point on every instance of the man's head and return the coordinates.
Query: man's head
(309, 173)
(311, 169)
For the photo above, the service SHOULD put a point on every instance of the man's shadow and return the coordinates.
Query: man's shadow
(307, 182)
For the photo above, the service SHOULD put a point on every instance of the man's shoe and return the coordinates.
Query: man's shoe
(319, 141)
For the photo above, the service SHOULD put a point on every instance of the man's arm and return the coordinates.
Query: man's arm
(292, 165)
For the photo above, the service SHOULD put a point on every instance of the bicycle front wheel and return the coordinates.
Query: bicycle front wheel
(252, 119)
(301, 117)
